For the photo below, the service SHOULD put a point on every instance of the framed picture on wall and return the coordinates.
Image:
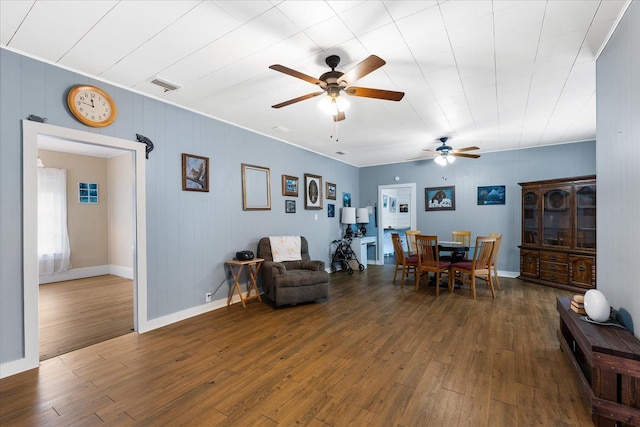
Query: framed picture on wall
(312, 191)
(331, 191)
(290, 206)
(256, 188)
(440, 199)
(491, 195)
(195, 173)
(331, 210)
(290, 185)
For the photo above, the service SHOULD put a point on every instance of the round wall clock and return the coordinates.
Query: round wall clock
(91, 105)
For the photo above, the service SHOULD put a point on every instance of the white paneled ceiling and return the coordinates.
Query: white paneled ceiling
(499, 75)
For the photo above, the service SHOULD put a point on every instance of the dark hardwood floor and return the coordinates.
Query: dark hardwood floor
(77, 313)
(373, 354)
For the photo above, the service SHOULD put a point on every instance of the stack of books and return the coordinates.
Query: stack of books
(577, 304)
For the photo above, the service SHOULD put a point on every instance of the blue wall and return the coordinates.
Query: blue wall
(189, 235)
(506, 168)
(618, 94)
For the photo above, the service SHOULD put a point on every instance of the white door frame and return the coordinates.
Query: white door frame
(30, 133)
(413, 209)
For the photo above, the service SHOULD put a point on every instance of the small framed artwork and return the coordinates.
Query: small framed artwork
(290, 185)
(195, 173)
(256, 188)
(88, 193)
(440, 199)
(491, 195)
(346, 200)
(290, 206)
(312, 191)
(331, 191)
(331, 210)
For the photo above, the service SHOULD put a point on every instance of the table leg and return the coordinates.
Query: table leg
(253, 273)
(236, 276)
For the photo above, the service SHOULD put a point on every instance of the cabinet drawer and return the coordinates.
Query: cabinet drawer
(553, 256)
(554, 277)
(552, 267)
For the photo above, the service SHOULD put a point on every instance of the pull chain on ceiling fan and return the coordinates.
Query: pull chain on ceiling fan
(335, 83)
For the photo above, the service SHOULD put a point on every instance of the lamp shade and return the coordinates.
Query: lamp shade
(362, 216)
(348, 216)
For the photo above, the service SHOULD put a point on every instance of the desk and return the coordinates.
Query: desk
(360, 246)
(236, 267)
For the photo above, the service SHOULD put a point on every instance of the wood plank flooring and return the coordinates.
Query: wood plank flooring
(77, 313)
(373, 354)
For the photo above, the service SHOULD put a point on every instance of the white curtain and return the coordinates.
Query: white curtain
(54, 251)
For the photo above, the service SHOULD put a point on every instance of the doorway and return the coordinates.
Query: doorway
(93, 300)
(397, 212)
(32, 132)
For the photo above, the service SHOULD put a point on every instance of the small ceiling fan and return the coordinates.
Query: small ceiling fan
(446, 154)
(334, 82)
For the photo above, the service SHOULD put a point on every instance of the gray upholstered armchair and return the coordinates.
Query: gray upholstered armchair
(295, 281)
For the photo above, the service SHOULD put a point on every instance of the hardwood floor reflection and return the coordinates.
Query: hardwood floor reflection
(78, 313)
(373, 354)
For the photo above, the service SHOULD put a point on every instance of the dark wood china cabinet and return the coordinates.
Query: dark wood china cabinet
(559, 233)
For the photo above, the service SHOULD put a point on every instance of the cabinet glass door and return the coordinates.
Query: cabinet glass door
(586, 217)
(556, 221)
(530, 218)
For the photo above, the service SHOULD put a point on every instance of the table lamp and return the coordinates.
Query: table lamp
(362, 218)
(348, 217)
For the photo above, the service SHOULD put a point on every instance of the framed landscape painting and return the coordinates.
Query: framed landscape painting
(440, 199)
(491, 195)
(289, 185)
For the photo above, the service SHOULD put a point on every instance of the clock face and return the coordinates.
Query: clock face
(92, 106)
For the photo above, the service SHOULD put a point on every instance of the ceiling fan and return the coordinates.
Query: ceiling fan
(446, 154)
(333, 83)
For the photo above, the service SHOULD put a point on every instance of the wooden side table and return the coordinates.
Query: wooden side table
(236, 268)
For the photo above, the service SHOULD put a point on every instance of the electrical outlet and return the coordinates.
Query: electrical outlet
(207, 297)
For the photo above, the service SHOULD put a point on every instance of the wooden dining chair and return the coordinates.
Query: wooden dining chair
(408, 264)
(478, 267)
(429, 261)
(462, 236)
(494, 258)
(411, 241)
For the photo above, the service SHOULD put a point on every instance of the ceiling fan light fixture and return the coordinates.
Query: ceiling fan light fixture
(450, 159)
(440, 160)
(332, 105)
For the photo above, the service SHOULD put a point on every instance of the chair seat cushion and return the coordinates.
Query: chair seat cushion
(297, 278)
(466, 265)
(412, 258)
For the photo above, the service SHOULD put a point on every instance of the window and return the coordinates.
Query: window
(54, 252)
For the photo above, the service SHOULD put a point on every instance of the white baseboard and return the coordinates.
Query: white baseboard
(82, 273)
(16, 366)
(117, 270)
(75, 273)
(169, 319)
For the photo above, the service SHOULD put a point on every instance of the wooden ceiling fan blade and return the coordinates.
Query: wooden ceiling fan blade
(366, 92)
(296, 74)
(471, 156)
(460, 150)
(298, 99)
(367, 66)
(429, 150)
(340, 116)
(421, 158)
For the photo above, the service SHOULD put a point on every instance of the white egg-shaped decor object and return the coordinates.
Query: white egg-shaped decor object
(596, 305)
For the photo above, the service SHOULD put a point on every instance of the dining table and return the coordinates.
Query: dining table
(457, 249)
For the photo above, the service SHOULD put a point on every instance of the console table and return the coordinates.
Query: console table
(360, 246)
(607, 361)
